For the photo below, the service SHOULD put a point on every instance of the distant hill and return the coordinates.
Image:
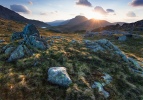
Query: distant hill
(81, 23)
(135, 26)
(8, 14)
(120, 23)
(58, 22)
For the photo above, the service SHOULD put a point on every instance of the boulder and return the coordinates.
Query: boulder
(17, 54)
(16, 36)
(59, 76)
(36, 42)
(104, 45)
(30, 37)
(30, 29)
(122, 38)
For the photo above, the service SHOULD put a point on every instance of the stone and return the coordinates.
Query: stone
(16, 54)
(16, 36)
(107, 78)
(103, 45)
(26, 40)
(122, 38)
(36, 42)
(30, 29)
(9, 50)
(101, 89)
(100, 86)
(59, 76)
(135, 63)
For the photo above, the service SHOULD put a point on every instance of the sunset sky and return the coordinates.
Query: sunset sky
(50, 10)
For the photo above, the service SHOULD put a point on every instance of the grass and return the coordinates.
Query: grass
(27, 77)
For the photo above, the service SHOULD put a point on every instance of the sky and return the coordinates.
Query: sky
(51, 10)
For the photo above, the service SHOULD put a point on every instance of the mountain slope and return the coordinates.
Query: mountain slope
(8, 14)
(136, 26)
(76, 20)
(91, 24)
(55, 23)
(82, 23)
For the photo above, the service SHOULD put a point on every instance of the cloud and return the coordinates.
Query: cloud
(20, 9)
(131, 14)
(30, 2)
(100, 10)
(84, 3)
(110, 10)
(42, 13)
(136, 3)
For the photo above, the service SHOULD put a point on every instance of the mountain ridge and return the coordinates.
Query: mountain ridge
(8, 14)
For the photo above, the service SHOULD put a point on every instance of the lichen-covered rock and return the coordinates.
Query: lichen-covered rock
(36, 42)
(26, 41)
(30, 29)
(17, 54)
(59, 76)
(16, 36)
(105, 45)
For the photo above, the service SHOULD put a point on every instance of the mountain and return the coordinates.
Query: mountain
(91, 24)
(76, 20)
(55, 23)
(135, 26)
(58, 22)
(8, 14)
(81, 23)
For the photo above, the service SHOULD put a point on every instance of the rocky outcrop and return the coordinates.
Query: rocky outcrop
(23, 43)
(105, 45)
(59, 76)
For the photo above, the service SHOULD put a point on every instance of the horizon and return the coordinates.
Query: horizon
(48, 11)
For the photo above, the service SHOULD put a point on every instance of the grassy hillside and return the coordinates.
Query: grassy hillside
(26, 79)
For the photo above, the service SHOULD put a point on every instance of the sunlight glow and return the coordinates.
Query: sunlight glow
(94, 16)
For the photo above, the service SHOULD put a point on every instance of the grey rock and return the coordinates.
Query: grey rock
(107, 78)
(16, 36)
(104, 45)
(30, 29)
(27, 51)
(101, 89)
(36, 42)
(100, 86)
(59, 76)
(16, 54)
(9, 50)
(122, 38)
